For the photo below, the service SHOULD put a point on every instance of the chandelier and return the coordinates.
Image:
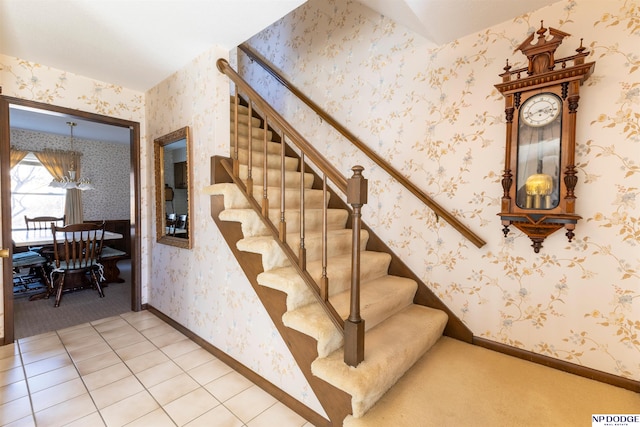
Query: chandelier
(69, 181)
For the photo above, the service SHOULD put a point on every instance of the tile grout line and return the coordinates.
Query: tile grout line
(26, 383)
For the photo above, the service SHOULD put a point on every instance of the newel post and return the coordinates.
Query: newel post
(354, 325)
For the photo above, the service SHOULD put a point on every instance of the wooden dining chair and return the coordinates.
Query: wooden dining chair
(44, 222)
(77, 249)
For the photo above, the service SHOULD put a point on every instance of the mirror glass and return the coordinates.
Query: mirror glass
(173, 188)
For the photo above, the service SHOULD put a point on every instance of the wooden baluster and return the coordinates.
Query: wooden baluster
(354, 325)
(250, 160)
(302, 253)
(236, 138)
(265, 195)
(283, 222)
(324, 280)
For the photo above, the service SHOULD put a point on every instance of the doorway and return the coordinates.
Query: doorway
(133, 128)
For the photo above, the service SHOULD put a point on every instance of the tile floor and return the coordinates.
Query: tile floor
(129, 370)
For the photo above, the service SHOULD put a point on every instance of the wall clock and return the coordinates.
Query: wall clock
(541, 103)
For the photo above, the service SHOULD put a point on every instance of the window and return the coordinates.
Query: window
(31, 194)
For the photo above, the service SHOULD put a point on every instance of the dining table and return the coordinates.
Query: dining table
(31, 238)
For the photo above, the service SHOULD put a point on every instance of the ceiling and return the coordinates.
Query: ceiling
(155, 38)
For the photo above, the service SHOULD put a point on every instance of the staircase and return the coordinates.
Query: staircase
(398, 332)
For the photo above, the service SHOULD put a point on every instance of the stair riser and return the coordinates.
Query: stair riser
(313, 199)
(256, 132)
(244, 120)
(273, 160)
(257, 144)
(252, 226)
(291, 178)
(273, 257)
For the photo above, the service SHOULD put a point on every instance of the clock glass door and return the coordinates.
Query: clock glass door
(538, 154)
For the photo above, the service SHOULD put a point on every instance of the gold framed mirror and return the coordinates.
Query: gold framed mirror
(174, 196)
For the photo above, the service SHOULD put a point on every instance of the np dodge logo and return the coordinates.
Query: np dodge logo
(615, 420)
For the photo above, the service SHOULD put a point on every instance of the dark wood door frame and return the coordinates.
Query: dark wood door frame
(134, 230)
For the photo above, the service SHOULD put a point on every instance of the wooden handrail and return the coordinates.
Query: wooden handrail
(422, 196)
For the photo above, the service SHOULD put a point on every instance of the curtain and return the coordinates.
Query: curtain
(16, 156)
(58, 163)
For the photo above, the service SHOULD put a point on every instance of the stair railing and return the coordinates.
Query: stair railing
(421, 195)
(354, 189)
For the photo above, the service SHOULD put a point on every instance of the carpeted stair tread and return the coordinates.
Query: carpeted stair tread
(273, 160)
(274, 177)
(312, 198)
(256, 132)
(338, 243)
(257, 144)
(286, 279)
(391, 348)
(243, 118)
(232, 196)
(253, 226)
(379, 299)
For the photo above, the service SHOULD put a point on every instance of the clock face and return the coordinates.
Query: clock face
(540, 110)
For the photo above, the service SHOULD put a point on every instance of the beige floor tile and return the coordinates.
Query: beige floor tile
(91, 420)
(124, 329)
(159, 373)
(143, 323)
(8, 350)
(129, 409)
(171, 389)
(87, 352)
(81, 342)
(146, 361)
(228, 386)
(194, 358)
(250, 403)
(34, 356)
(106, 376)
(37, 337)
(10, 362)
(154, 331)
(277, 415)
(57, 394)
(13, 391)
(23, 422)
(106, 320)
(168, 338)
(52, 378)
(46, 365)
(116, 391)
(15, 410)
(73, 336)
(45, 343)
(190, 406)
(157, 418)
(219, 417)
(135, 350)
(109, 324)
(98, 362)
(125, 340)
(209, 371)
(66, 412)
(11, 376)
(178, 349)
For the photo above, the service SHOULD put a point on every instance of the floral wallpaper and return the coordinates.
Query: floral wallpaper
(106, 164)
(37, 82)
(434, 113)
